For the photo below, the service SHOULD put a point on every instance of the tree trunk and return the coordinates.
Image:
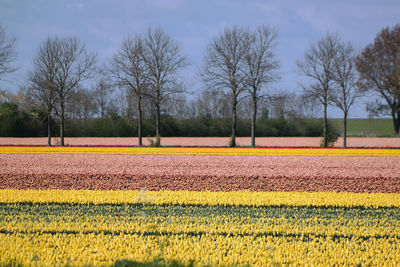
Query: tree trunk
(102, 111)
(158, 124)
(325, 126)
(49, 128)
(140, 123)
(396, 123)
(253, 123)
(233, 138)
(62, 125)
(345, 130)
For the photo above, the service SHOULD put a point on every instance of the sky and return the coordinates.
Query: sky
(102, 25)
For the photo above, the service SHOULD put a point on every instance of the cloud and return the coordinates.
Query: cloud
(113, 30)
(166, 4)
(352, 19)
(77, 6)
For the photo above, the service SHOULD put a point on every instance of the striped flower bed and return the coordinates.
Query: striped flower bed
(198, 206)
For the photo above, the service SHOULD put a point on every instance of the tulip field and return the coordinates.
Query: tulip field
(199, 206)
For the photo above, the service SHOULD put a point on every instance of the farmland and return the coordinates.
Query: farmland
(202, 206)
(365, 127)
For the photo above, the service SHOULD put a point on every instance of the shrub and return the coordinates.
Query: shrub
(155, 143)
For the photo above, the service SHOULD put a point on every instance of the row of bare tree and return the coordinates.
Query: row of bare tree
(243, 62)
(59, 67)
(147, 67)
(339, 75)
(144, 66)
(330, 66)
(239, 66)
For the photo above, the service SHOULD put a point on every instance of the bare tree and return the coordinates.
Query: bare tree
(7, 52)
(345, 89)
(163, 62)
(3, 95)
(307, 107)
(81, 104)
(379, 68)
(178, 107)
(317, 65)
(213, 103)
(70, 65)
(101, 93)
(260, 67)
(280, 104)
(223, 67)
(75, 65)
(129, 70)
(42, 80)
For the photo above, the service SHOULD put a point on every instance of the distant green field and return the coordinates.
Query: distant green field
(365, 127)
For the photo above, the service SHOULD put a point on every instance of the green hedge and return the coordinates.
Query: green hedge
(15, 122)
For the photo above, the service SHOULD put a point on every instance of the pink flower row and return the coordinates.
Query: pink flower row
(185, 172)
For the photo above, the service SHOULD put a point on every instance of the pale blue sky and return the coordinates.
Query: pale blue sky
(103, 24)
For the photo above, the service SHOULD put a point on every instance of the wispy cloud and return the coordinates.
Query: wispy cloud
(77, 6)
(166, 4)
(352, 19)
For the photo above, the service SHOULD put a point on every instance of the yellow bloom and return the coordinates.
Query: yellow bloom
(247, 198)
(204, 151)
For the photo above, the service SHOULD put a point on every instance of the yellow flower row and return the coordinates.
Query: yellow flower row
(191, 221)
(203, 151)
(238, 198)
(104, 250)
(54, 234)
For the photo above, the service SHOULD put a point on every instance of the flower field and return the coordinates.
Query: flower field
(104, 206)
(78, 234)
